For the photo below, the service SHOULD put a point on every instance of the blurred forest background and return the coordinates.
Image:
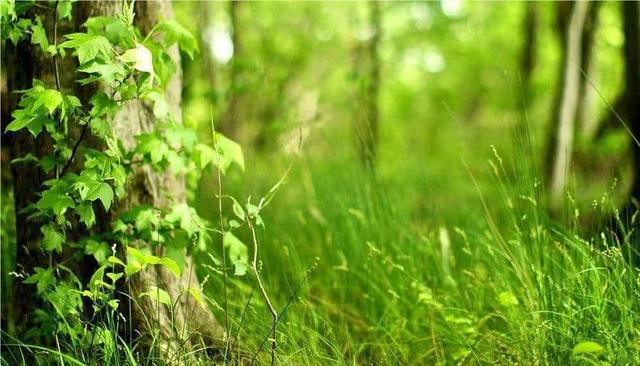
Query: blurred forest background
(460, 176)
(420, 89)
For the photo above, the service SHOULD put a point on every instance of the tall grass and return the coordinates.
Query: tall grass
(506, 285)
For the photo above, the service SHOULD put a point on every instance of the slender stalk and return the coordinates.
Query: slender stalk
(224, 254)
(272, 310)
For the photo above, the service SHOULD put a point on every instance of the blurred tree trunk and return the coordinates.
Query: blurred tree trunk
(529, 47)
(193, 70)
(571, 19)
(631, 20)
(230, 122)
(175, 328)
(587, 112)
(204, 20)
(369, 84)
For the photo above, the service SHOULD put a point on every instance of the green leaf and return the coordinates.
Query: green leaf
(115, 260)
(95, 283)
(238, 253)
(138, 259)
(38, 123)
(180, 136)
(174, 32)
(204, 155)
(152, 146)
(38, 34)
(587, 347)
(98, 249)
(88, 46)
(197, 295)
(8, 10)
(131, 269)
(64, 9)
(104, 193)
(157, 295)
(230, 150)
(109, 72)
(52, 238)
(140, 57)
(56, 199)
(113, 28)
(114, 276)
(177, 255)
(186, 217)
(86, 214)
(226, 153)
(238, 210)
(160, 106)
(171, 266)
(114, 303)
(146, 220)
(119, 175)
(50, 98)
(21, 119)
(43, 278)
(102, 104)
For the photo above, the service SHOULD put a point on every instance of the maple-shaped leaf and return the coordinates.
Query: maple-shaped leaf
(88, 46)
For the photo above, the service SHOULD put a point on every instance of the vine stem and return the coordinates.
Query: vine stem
(56, 73)
(272, 310)
(74, 150)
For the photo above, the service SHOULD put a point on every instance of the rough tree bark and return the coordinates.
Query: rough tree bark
(561, 147)
(367, 118)
(178, 328)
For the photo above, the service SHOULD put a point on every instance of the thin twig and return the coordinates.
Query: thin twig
(75, 148)
(224, 254)
(74, 151)
(272, 310)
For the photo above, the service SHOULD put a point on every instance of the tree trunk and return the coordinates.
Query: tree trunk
(176, 328)
(587, 107)
(529, 47)
(631, 20)
(24, 63)
(565, 116)
(368, 112)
